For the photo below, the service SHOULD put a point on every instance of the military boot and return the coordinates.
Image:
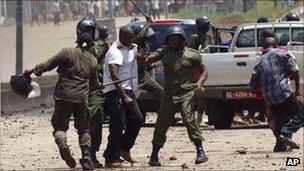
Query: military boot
(95, 162)
(200, 156)
(66, 154)
(154, 160)
(200, 153)
(86, 161)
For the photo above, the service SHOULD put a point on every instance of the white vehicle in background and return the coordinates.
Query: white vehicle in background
(227, 89)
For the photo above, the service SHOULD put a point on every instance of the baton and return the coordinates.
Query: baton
(118, 81)
(141, 11)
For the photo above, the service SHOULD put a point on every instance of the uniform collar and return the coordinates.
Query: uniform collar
(200, 34)
(179, 50)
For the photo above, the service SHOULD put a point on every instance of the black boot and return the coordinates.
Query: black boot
(200, 156)
(154, 161)
(66, 154)
(95, 162)
(86, 161)
(200, 153)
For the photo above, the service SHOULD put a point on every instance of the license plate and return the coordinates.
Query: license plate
(240, 94)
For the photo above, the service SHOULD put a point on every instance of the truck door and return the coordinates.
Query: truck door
(233, 68)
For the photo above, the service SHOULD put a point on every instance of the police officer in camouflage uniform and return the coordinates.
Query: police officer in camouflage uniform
(77, 69)
(180, 63)
(145, 81)
(96, 98)
(203, 38)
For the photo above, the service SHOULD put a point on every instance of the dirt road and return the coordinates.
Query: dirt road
(27, 144)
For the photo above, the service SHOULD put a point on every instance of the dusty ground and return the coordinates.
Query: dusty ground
(27, 144)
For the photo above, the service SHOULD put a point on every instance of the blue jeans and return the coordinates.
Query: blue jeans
(290, 108)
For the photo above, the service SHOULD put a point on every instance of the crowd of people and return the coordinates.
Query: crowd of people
(62, 10)
(65, 10)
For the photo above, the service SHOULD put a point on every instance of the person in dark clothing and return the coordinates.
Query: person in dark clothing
(271, 75)
(120, 63)
(77, 68)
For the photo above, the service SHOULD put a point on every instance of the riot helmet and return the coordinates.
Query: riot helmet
(88, 25)
(202, 22)
(134, 19)
(290, 16)
(176, 30)
(262, 20)
(23, 85)
(138, 27)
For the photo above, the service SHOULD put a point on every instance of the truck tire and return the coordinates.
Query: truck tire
(222, 115)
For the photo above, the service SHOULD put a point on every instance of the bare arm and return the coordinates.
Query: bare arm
(151, 59)
(114, 75)
(294, 75)
(293, 70)
(203, 77)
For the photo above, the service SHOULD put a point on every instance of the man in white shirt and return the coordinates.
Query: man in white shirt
(120, 63)
(155, 8)
(91, 11)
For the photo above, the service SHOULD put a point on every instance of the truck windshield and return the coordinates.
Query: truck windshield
(246, 38)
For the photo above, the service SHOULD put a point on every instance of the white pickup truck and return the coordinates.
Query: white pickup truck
(227, 89)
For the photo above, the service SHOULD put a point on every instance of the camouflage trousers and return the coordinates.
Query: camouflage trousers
(146, 82)
(167, 111)
(96, 101)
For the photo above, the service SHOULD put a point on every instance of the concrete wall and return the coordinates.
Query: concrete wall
(12, 102)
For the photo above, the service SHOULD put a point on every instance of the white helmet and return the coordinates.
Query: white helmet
(35, 91)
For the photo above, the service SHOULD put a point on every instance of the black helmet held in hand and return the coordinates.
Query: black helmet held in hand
(176, 30)
(23, 85)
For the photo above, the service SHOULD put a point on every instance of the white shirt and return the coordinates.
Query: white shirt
(126, 59)
(155, 4)
(56, 7)
(106, 5)
(91, 7)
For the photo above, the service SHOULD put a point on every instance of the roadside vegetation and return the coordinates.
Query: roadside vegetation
(264, 8)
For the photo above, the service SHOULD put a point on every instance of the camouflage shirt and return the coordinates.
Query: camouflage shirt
(140, 41)
(179, 67)
(196, 40)
(77, 70)
(97, 50)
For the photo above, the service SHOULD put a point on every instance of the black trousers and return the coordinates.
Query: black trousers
(290, 108)
(120, 139)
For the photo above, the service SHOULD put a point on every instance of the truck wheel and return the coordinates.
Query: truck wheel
(222, 115)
